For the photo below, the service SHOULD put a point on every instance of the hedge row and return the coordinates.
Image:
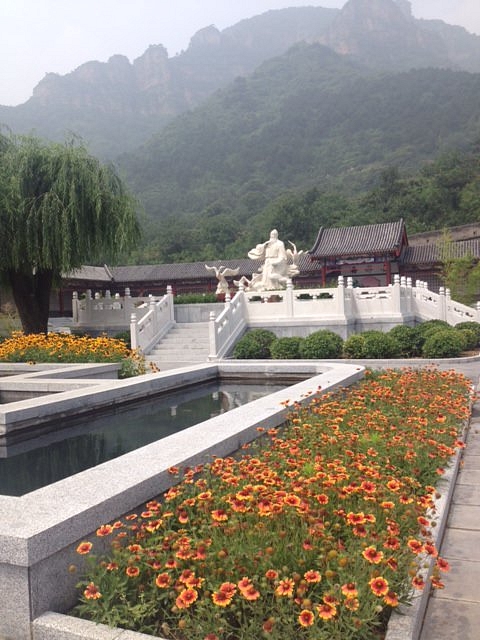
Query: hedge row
(431, 339)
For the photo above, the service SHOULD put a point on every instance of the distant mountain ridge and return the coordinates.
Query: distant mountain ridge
(117, 105)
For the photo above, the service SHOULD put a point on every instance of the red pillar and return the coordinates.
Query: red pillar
(324, 275)
(388, 271)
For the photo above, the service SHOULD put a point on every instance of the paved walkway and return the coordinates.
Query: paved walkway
(454, 612)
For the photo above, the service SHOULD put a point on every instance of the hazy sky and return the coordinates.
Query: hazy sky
(41, 36)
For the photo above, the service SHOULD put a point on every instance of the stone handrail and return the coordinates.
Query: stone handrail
(308, 309)
(154, 324)
(225, 329)
(106, 311)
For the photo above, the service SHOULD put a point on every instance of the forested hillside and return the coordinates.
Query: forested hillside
(440, 194)
(310, 119)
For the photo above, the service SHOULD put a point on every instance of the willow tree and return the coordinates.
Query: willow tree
(59, 209)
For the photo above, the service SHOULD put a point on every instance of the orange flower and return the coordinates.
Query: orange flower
(391, 599)
(292, 500)
(437, 583)
(418, 582)
(443, 565)
(379, 586)
(104, 530)
(285, 588)
(350, 590)
(84, 548)
(415, 545)
(312, 576)
(219, 515)
(228, 588)
(244, 583)
(271, 574)
(392, 543)
(162, 580)
(326, 611)
(132, 572)
(372, 555)
(251, 593)
(91, 592)
(356, 518)
(306, 618)
(221, 599)
(188, 596)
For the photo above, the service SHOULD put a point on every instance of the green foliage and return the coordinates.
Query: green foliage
(124, 336)
(462, 277)
(473, 326)
(380, 345)
(255, 344)
(429, 327)
(443, 343)
(194, 298)
(469, 336)
(287, 348)
(322, 344)
(408, 339)
(355, 346)
(59, 209)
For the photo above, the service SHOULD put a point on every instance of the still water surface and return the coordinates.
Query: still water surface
(74, 446)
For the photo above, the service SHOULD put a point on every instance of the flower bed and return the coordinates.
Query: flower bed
(65, 348)
(314, 533)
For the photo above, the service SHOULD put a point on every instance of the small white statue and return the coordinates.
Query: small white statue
(221, 274)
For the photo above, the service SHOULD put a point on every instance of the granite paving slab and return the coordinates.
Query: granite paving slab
(466, 494)
(471, 462)
(461, 544)
(451, 620)
(461, 582)
(469, 476)
(465, 517)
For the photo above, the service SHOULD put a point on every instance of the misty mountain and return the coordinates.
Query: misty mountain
(117, 105)
(310, 118)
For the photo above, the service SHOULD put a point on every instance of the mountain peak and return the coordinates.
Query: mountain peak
(383, 33)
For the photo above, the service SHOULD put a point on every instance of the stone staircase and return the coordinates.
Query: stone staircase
(186, 343)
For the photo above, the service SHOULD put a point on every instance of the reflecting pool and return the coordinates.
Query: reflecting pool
(74, 445)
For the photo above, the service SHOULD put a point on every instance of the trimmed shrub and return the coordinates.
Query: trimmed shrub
(194, 298)
(287, 348)
(443, 343)
(409, 340)
(426, 329)
(469, 338)
(321, 344)
(473, 326)
(254, 345)
(355, 346)
(380, 345)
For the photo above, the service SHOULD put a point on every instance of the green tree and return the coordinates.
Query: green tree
(59, 208)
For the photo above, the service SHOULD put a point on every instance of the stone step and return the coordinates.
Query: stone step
(185, 342)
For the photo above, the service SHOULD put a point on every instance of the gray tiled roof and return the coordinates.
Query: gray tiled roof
(174, 272)
(97, 274)
(433, 253)
(363, 240)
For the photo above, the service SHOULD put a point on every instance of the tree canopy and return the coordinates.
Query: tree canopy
(59, 208)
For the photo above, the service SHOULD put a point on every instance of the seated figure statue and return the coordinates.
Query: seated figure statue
(274, 272)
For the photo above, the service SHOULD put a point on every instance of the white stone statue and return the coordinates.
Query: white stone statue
(279, 265)
(221, 274)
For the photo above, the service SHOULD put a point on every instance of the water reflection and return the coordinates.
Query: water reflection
(73, 445)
